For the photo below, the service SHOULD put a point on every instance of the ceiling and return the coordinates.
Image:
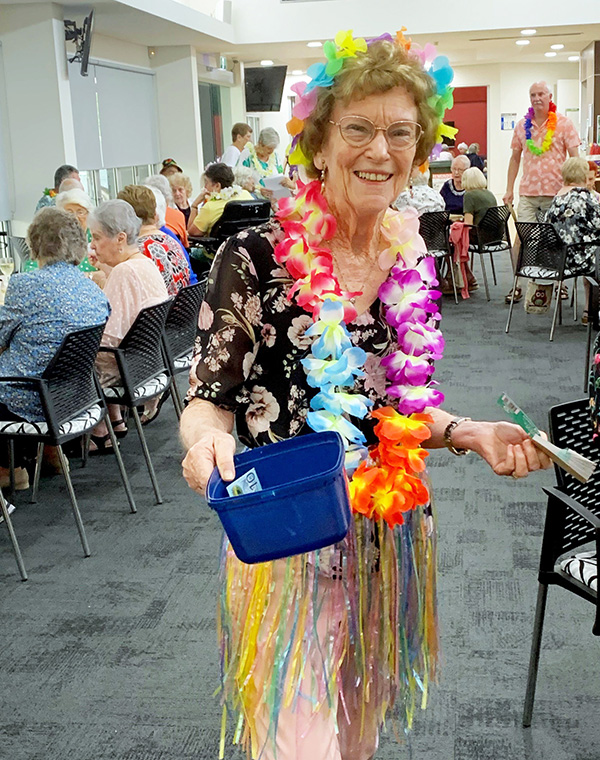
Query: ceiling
(462, 48)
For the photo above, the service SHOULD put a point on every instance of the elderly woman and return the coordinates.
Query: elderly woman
(318, 648)
(244, 177)
(155, 244)
(40, 308)
(181, 187)
(133, 284)
(76, 201)
(575, 213)
(263, 161)
(473, 155)
(477, 198)
(419, 195)
(452, 190)
(174, 219)
(219, 189)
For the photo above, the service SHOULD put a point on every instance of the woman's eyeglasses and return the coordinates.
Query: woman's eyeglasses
(359, 131)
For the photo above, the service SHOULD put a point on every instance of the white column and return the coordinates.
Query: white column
(40, 119)
(180, 132)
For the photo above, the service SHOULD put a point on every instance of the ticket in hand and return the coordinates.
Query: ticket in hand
(248, 483)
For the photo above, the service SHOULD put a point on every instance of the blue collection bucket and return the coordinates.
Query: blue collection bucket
(303, 505)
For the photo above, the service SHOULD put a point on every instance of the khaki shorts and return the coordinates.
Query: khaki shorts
(529, 205)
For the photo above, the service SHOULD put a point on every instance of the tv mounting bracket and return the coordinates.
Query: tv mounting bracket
(74, 33)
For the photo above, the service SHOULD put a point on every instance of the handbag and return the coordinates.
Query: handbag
(538, 297)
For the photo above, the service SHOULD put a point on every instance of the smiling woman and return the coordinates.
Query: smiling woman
(326, 319)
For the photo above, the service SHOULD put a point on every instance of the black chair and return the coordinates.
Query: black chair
(237, 216)
(180, 334)
(543, 255)
(434, 229)
(572, 522)
(143, 369)
(73, 404)
(490, 236)
(593, 313)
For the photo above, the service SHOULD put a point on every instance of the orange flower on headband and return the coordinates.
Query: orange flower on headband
(402, 40)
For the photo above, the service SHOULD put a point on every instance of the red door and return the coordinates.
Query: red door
(469, 115)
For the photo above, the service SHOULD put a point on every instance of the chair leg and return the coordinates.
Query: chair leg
(176, 400)
(13, 536)
(574, 296)
(493, 268)
(485, 279)
(38, 470)
(140, 432)
(557, 309)
(76, 513)
(11, 467)
(85, 448)
(512, 303)
(534, 659)
(588, 345)
(121, 465)
(453, 278)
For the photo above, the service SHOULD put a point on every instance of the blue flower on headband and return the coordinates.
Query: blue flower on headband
(442, 73)
(319, 77)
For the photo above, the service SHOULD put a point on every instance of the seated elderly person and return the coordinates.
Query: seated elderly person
(181, 187)
(419, 195)
(244, 177)
(477, 198)
(40, 308)
(175, 221)
(76, 201)
(161, 208)
(161, 248)
(219, 190)
(263, 161)
(452, 190)
(63, 172)
(575, 214)
(473, 155)
(133, 284)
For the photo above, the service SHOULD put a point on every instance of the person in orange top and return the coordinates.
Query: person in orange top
(174, 218)
(541, 178)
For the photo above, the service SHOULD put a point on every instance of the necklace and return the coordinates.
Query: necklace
(550, 130)
(385, 479)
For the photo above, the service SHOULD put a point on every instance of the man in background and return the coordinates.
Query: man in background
(66, 171)
(241, 134)
(543, 151)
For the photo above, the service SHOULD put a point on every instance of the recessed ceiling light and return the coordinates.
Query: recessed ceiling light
(573, 58)
(297, 73)
(528, 32)
(522, 42)
(314, 44)
(266, 62)
(558, 46)
(550, 55)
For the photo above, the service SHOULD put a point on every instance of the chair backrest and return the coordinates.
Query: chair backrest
(540, 246)
(433, 228)
(20, 251)
(69, 375)
(493, 228)
(238, 216)
(570, 427)
(142, 346)
(182, 319)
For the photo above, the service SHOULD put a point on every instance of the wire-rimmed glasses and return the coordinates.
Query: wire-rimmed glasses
(359, 131)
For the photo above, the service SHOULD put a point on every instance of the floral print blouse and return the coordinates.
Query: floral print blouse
(251, 340)
(168, 256)
(576, 217)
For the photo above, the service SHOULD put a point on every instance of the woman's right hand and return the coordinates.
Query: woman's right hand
(215, 448)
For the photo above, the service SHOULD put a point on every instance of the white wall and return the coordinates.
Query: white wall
(118, 51)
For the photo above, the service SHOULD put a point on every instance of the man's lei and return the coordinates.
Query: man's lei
(385, 482)
(50, 192)
(550, 130)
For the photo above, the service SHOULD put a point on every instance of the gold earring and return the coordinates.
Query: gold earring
(323, 175)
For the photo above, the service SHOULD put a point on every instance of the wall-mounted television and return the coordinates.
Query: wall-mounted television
(264, 87)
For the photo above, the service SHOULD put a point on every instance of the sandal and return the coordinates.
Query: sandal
(509, 296)
(146, 419)
(118, 423)
(102, 444)
(564, 293)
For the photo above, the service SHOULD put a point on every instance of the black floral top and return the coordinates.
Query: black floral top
(576, 217)
(251, 340)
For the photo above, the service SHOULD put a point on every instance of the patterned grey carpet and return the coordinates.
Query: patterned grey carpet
(114, 656)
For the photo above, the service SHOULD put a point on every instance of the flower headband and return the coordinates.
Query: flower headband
(345, 46)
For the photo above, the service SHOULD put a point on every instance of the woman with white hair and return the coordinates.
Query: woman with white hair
(133, 284)
(419, 195)
(77, 202)
(452, 190)
(477, 198)
(161, 223)
(263, 161)
(244, 177)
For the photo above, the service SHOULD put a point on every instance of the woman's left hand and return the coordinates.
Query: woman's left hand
(505, 447)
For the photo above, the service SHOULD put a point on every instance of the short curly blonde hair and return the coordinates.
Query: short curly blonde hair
(383, 67)
(55, 236)
(142, 200)
(474, 179)
(181, 180)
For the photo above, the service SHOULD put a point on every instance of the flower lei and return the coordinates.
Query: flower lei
(551, 129)
(386, 482)
(259, 166)
(50, 192)
(225, 194)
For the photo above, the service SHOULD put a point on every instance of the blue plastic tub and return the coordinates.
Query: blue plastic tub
(304, 504)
